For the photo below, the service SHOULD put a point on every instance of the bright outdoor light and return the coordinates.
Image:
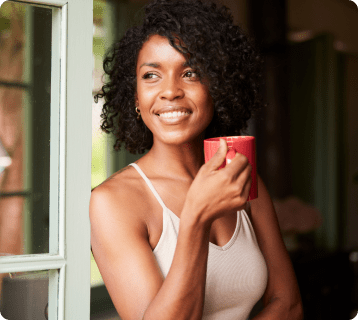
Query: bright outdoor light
(5, 159)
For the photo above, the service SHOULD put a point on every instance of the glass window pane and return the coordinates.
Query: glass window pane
(24, 295)
(102, 33)
(25, 100)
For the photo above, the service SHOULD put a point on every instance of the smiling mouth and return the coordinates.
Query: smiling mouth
(174, 114)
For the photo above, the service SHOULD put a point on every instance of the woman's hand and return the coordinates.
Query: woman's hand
(215, 192)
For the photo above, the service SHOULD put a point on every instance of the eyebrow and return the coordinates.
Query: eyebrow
(150, 64)
(157, 64)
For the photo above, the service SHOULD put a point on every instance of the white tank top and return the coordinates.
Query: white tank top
(236, 273)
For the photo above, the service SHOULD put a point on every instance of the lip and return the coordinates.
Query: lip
(172, 109)
(176, 120)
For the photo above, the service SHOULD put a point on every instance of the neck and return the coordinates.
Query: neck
(176, 161)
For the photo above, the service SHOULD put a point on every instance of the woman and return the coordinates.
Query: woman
(174, 238)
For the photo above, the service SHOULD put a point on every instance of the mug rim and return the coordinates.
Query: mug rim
(230, 138)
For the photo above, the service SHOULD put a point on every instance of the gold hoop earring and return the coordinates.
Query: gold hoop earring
(138, 112)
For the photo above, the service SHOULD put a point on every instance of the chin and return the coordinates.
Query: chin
(180, 141)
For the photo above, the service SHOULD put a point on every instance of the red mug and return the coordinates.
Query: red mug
(240, 144)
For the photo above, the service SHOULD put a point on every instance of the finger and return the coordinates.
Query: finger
(242, 180)
(218, 158)
(244, 194)
(237, 165)
(246, 175)
(247, 187)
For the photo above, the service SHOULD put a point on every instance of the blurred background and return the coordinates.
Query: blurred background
(307, 150)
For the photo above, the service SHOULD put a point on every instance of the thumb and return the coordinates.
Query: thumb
(218, 158)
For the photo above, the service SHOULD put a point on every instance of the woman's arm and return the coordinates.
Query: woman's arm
(130, 271)
(125, 259)
(282, 297)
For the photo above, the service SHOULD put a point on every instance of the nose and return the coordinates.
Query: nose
(172, 89)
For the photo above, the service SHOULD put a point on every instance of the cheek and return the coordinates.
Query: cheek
(208, 102)
(210, 113)
(145, 96)
(140, 97)
(200, 94)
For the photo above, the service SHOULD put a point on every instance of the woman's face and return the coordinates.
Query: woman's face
(174, 104)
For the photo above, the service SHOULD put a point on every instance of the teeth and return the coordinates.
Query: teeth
(174, 114)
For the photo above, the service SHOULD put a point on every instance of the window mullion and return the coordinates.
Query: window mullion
(78, 159)
(34, 262)
(55, 131)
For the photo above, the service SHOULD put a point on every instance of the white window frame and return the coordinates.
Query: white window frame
(68, 260)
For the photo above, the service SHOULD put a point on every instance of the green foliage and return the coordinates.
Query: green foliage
(10, 11)
(99, 167)
(5, 23)
(98, 11)
(98, 172)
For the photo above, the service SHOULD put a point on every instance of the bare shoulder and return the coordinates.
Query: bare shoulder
(118, 197)
(122, 176)
(118, 231)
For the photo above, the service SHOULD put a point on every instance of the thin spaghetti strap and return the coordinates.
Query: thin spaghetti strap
(151, 187)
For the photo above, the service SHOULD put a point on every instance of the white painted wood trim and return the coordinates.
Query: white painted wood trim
(53, 300)
(51, 3)
(63, 128)
(56, 108)
(69, 275)
(33, 262)
(77, 284)
(61, 294)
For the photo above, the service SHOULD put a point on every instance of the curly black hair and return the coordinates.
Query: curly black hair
(212, 44)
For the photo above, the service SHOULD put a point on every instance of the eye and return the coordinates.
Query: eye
(192, 75)
(150, 75)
